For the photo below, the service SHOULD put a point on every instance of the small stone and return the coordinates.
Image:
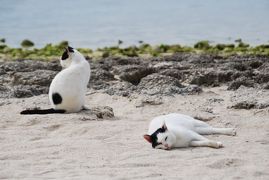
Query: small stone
(244, 105)
(103, 112)
(149, 100)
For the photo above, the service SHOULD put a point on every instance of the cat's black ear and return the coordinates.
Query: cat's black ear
(70, 49)
(148, 138)
(164, 127)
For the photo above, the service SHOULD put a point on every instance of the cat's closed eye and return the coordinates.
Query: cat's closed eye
(166, 138)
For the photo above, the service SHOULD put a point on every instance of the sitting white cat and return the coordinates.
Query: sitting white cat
(178, 130)
(68, 88)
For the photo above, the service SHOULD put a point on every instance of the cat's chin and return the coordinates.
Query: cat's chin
(168, 148)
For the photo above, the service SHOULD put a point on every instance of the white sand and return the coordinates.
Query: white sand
(68, 146)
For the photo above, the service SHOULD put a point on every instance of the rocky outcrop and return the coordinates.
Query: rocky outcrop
(134, 73)
(181, 73)
(249, 98)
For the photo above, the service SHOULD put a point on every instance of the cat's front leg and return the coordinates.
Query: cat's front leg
(206, 143)
(85, 108)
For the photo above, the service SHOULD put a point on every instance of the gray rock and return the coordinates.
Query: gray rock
(242, 81)
(262, 105)
(37, 77)
(21, 91)
(103, 112)
(149, 100)
(26, 78)
(176, 73)
(121, 88)
(254, 64)
(4, 91)
(240, 66)
(250, 98)
(101, 75)
(155, 76)
(97, 113)
(215, 100)
(100, 78)
(191, 89)
(262, 77)
(244, 105)
(134, 73)
(211, 78)
(266, 86)
(28, 66)
(155, 84)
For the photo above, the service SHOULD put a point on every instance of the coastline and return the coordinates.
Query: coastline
(142, 49)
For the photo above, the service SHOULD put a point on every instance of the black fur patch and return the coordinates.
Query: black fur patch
(154, 137)
(65, 55)
(70, 49)
(57, 98)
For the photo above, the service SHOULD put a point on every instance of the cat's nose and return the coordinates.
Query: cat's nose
(166, 145)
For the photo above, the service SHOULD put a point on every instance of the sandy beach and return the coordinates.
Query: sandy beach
(77, 146)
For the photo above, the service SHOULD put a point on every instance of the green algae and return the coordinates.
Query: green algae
(54, 51)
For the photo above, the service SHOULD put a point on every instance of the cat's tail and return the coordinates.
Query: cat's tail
(42, 111)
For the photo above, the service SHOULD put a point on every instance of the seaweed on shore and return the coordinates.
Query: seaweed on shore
(53, 51)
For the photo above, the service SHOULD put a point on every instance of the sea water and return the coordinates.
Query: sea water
(99, 23)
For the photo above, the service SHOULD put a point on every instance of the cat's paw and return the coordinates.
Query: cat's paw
(233, 132)
(219, 145)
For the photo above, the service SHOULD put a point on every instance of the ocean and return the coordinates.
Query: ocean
(99, 23)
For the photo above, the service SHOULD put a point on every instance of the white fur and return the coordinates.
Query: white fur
(71, 83)
(184, 131)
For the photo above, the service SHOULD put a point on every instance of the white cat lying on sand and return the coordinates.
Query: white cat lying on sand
(178, 130)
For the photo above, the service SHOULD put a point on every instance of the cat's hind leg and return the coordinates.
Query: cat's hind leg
(201, 141)
(211, 130)
(198, 123)
(206, 143)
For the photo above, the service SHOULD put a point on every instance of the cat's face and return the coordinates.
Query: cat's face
(162, 138)
(67, 57)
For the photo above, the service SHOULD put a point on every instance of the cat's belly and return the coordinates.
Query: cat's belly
(181, 144)
(183, 136)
